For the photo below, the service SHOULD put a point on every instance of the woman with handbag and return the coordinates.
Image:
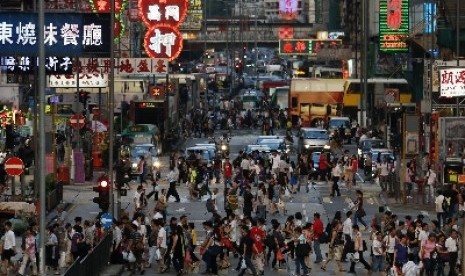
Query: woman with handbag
(443, 255)
(336, 245)
(428, 254)
(359, 210)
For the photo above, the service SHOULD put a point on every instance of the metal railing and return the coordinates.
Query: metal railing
(94, 262)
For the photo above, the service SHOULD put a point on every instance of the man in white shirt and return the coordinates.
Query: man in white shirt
(378, 264)
(423, 235)
(347, 231)
(9, 248)
(275, 158)
(245, 166)
(452, 247)
(439, 210)
(161, 245)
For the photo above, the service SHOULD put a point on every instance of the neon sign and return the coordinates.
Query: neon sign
(288, 9)
(162, 18)
(393, 25)
(309, 47)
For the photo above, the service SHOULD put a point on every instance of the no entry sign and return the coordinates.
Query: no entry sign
(77, 121)
(14, 166)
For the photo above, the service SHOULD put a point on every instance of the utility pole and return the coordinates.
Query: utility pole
(111, 105)
(364, 65)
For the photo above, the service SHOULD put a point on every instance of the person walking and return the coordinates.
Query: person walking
(359, 210)
(29, 253)
(358, 248)
(246, 249)
(317, 232)
(172, 191)
(379, 254)
(336, 245)
(336, 174)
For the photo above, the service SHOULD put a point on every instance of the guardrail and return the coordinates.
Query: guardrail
(94, 262)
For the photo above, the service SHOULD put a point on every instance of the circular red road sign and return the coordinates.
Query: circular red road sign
(77, 121)
(14, 166)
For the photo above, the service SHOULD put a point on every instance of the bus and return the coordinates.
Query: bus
(383, 90)
(250, 99)
(314, 100)
(280, 97)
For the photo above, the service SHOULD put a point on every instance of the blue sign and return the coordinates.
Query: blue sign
(65, 34)
(107, 220)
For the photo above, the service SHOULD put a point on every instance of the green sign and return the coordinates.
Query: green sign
(309, 47)
(393, 25)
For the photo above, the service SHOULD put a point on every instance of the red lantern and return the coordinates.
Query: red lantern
(163, 41)
(171, 12)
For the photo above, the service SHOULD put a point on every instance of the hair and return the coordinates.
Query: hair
(316, 215)
(298, 215)
(355, 227)
(349, 213)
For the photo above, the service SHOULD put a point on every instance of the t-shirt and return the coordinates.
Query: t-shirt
(258, 237)
(248, 243)
(390, 243)
(438, 202)
(402, 253)
(377, 244)
(162, 237)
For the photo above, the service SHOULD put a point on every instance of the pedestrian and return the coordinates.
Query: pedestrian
(178, 249)
(142, 169)
(379, 254)
(336, 244)
(360, 212)
(246, 249)
(139, 197)
(431, 181)
(317, 232)
(452, 244)
(248, 202)
(426, 253)
(302, 249)
(51, 251)
(347, 231)
(358, 248)
(211, 248)
(172, 191)
(336, 174)
(29, 253)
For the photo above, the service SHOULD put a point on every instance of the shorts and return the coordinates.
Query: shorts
(7, 254)
(378, 264)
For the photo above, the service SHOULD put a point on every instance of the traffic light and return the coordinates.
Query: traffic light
(103, 190)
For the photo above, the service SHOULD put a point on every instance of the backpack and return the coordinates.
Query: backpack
(233, 202)
(446, 204)
(325, 237)
(210, 205)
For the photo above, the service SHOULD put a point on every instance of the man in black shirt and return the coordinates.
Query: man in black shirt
(246, 249)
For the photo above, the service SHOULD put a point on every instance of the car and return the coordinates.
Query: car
(313, 139)
(260, 148)
(260, 138)
(150, 153)
(203, 154)
(366, 145)
(278, 145)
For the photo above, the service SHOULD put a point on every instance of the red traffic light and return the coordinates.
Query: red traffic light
(103, 181)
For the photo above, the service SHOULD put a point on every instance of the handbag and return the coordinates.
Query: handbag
(279, 255)
(129, 257)
(243, 264)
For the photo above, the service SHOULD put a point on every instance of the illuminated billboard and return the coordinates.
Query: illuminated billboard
(452, 82)
(194, 16)
(66, 34)
(309, 47)
(288, 9)
(393, 25)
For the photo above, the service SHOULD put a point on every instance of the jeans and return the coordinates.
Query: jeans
(441, 218)
(378, 263)
(300, 262)
(209, 257)
(440, 267)
(361, 260)
(316, 247)
(453, 257)
(358, 218)
(248, 262)
(429, 266)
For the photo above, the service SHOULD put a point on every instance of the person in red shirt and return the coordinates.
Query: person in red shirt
(258, 236)
(317, 231)
(227, 172)
(323, 167)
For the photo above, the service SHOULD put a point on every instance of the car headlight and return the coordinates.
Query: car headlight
(327, 147)
(307, 146)
(359, 151)
(134, 165)
(224, 147)
(157, 164)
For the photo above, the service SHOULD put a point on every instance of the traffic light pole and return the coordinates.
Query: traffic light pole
(111, 120)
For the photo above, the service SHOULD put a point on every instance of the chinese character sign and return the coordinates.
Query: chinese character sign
(162, 18)
(452, 82)
(393, 25)
(172, 12)
(64, 34)
(288, 9)
(309, 47)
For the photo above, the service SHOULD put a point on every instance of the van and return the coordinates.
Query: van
(335, 123)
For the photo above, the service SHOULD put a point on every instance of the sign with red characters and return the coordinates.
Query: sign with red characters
(162, 18)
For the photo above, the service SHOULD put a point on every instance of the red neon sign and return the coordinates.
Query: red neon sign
(163, 41)
(172, 12)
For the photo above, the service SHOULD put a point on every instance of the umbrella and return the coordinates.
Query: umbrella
(98, 126)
